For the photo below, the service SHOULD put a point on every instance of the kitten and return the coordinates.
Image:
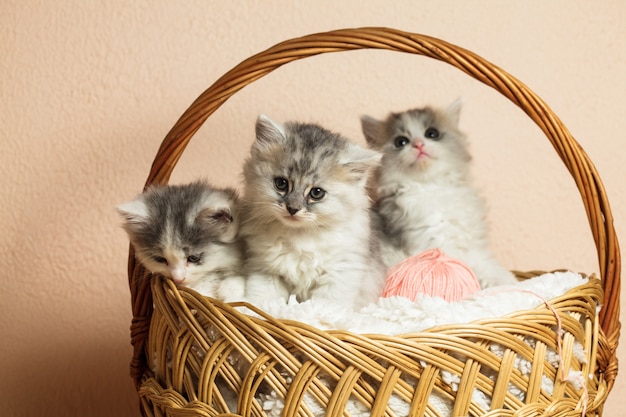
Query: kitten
(424, 197)
(188, 233)
(306, 217)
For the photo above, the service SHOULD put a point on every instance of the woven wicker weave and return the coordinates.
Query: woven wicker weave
(181, 369)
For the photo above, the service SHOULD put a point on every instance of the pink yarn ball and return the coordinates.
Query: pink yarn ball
(432, 273)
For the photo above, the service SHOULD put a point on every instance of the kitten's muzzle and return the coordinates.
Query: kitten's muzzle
(178, 273)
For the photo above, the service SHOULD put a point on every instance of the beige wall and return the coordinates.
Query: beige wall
(89, 88)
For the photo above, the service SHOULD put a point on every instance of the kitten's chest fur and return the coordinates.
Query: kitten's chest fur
(300, 262)
(426, 215)
(305, 260)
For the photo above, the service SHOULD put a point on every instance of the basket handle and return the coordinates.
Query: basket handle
(575, 159)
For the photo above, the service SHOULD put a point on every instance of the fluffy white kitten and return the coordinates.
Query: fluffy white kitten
(306, 218)
(188, 233)
(423, 191)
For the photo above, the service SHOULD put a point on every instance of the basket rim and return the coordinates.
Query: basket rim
(573, 156)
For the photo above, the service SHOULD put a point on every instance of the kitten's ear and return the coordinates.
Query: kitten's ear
(373, 130)
(217, 216)
(220, 218)
(454, 111)
(360, 161)
(268, 131)
(134, 212)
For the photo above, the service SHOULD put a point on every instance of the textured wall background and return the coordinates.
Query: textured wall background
(88, 89)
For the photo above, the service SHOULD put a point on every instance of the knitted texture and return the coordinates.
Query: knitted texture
(431, 273)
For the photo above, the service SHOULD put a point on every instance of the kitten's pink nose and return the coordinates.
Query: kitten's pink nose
(178, 274)
(418, 144)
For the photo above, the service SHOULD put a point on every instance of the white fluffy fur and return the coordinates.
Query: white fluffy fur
(323, 250)
(450, 218)
(219, 278)
(424, 195)
(399, 315)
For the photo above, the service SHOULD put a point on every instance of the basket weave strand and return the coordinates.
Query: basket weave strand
(602, 345)
(280, 348)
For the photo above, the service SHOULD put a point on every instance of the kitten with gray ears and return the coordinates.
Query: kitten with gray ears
(188, 233)
(305, 216)
(423, 193)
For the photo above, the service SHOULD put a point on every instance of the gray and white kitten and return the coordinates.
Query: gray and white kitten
(306, 216)
(188, 233)
(423, 193)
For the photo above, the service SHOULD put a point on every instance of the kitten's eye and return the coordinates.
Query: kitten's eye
(160, 260)
(193, 259)
(281, 184)
(401, 141)
(317, 193)
(432, 133)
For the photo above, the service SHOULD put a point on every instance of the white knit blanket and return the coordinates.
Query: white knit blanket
(397, 315)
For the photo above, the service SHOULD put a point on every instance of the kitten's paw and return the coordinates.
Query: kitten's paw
(232, 289)
(260, 288)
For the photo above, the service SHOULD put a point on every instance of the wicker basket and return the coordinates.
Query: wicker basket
(180, 369)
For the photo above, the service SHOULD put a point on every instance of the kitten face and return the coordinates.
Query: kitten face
(420, 143)
(179, 231)
(302, 175)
